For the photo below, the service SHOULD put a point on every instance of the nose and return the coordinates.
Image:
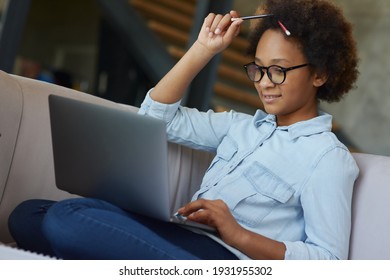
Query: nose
(265, 82)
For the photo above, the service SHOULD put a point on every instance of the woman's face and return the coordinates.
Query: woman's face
(295, 99)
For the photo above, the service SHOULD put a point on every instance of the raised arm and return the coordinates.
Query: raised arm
(215, 35)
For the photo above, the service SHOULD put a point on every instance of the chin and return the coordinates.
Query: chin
(270, 110)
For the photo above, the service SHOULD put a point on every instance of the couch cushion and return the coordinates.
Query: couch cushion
(371, 209)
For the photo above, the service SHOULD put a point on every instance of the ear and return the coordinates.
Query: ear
(320, 78)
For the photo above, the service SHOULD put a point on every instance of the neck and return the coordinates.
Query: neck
(289, 119)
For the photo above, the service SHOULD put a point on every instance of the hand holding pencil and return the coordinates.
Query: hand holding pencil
(218, 31)
(285, 30)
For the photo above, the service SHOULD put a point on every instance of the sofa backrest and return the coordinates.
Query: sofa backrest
(371, 209)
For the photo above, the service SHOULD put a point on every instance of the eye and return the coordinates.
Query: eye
(277, 70)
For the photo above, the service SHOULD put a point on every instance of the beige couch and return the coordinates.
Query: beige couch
(26, 165)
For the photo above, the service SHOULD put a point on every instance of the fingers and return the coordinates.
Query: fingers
(234, 14)
(199, 211)
(202, 205)
(202, 217)
(216, 24)
(192, 207)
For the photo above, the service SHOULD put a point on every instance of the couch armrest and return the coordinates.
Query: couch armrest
(371, 209)
(11, 107)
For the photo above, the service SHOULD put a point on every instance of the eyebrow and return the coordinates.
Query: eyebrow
(273, 61)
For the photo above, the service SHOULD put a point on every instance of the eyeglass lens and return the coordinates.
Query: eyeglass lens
(274, 73)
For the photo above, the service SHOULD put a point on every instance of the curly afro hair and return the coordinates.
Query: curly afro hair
(325, 37)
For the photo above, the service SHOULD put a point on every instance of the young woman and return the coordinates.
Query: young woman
(280, 186)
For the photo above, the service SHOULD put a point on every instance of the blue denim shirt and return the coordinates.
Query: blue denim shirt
(292, 184)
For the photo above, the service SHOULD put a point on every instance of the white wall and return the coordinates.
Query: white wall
(364, 114)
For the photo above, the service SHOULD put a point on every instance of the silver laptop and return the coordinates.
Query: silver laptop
(114, 155)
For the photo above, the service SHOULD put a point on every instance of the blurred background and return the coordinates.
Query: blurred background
(118, 49)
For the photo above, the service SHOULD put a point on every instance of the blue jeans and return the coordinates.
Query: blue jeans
(85, 228)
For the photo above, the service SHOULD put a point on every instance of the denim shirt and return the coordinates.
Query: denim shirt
(292, 184)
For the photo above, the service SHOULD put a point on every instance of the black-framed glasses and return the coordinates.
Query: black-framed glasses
(276, 73)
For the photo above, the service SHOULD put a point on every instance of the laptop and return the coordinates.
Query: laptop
(113, 155)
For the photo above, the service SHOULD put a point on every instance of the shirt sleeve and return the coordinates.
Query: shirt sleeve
(158, 110)
(326, 201)
(190, 127)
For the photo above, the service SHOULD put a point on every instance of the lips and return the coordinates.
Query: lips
(271, 97)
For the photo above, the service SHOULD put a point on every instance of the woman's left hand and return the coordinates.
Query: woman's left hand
(214, 213)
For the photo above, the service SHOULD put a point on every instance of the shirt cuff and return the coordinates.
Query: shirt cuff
(158, 110)
(298, 250)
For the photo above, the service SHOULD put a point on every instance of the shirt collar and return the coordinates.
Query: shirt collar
(319, 124)
(262, 117)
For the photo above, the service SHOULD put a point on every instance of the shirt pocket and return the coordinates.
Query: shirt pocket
(256, 195)
(225, 152)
